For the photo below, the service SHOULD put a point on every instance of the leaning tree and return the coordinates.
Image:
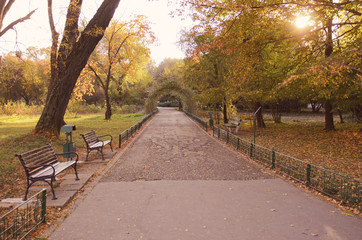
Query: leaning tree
(69, 59)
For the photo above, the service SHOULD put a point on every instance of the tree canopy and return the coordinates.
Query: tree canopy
(268, 59)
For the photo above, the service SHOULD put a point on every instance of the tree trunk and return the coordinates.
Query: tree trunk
(357, 113)
(53, 113)
(340, 115)
(277, 116)
(53, 51)
(259, 116)
(329, 124)
(108, 113)
(179, 103)
(315, 106)
(225, 113)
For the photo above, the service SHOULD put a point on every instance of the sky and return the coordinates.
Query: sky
(36, 31)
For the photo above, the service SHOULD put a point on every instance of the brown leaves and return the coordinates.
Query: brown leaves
(338, 150)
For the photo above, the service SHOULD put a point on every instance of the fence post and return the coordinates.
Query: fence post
(218, 133)
(238, 146)
(273, 159)
(127, 134)
(251, 150)
(120, 140)
(309, 168)
(43, 205)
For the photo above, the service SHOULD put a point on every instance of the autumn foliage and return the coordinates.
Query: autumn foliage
(251, 50)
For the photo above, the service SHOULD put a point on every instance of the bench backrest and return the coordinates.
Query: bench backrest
(235, 120)
(90, 137)
(36, 157)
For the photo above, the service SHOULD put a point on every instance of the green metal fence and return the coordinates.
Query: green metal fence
(335, 185)
(197, 119)
(127, 134)
(23, 219)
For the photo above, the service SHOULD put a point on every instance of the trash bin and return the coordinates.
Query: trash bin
(69, 145)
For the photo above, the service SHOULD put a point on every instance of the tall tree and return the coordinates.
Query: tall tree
(75, 54)
(120, 53)
(206, 72)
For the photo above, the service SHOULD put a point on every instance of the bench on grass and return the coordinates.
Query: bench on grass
(234, 124)
(93, 142)
(41, 164)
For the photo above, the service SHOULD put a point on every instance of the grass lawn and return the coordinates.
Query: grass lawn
(339, 151)
(16, 137)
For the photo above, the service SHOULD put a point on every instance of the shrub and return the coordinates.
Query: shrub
(128, 109)
(81, 108)
(19, 108)
(168, 104)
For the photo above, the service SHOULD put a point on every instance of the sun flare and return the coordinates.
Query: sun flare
(303, 21)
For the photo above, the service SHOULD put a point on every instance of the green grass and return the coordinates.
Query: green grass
(16, 137)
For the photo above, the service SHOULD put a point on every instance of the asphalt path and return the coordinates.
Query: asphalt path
(176, 182)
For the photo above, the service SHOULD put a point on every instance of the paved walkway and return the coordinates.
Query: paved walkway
(176, 182)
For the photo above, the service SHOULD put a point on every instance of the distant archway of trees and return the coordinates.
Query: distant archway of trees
(170, 88)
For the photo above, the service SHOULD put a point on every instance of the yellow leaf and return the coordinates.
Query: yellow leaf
(347, 214)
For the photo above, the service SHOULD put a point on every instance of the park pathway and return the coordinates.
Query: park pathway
(176, 182)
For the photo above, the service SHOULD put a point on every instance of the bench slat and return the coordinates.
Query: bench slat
(59, 167)
(99, 144)
(40, 159)
(36, 152)
(39, 156)
(90, 137)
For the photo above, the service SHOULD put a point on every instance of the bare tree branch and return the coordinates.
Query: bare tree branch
(54, 48)
(7, 7)
(4, 8)
(11, 25)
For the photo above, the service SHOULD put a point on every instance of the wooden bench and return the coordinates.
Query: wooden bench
(234, 123)
(93, 142)
(42, 164)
